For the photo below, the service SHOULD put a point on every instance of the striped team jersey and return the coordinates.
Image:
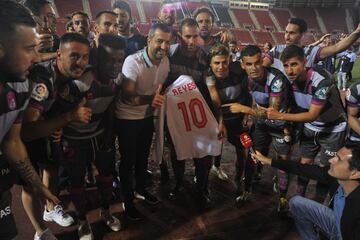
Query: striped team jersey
(192, 126)
(311, 53)
(98, 94)
(14, 98)
(47, 80)
(275, 84)
(319, 89)
(353, 100)
(233, 89)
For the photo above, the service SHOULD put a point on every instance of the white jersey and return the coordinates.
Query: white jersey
(192, 126)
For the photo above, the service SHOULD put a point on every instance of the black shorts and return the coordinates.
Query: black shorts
(263, 136)
(7, 222)
(234, 128)
(7, 175)
(328, 142)
(42, 152)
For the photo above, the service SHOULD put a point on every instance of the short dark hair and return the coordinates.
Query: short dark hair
(233, 42)
(122, 5)
(36, 5)
(188, 22)
(249, 51)
(73, 37)
(354, 162)
(113, 41)
(299, 22)
(204, 10)
(218, 49)
(99, 14)
(270, 45)
(162, 26)
(292, 51)
(82, 13)
(13, 14)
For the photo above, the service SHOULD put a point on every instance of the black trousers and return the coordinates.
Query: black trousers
(135, 138)
(202, 168)
(77, 153)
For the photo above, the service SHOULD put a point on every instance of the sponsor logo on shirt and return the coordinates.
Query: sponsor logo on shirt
(322, 93)
(40, 92)
(5, 212)
(276, 87)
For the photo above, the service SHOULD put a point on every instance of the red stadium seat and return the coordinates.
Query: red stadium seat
(282, 16)
(66, 7)
(99, 5)
(262, 37)
(332, 23)
(264, 19)
(243, 18)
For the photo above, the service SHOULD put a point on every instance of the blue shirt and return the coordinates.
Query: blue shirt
(339, 204)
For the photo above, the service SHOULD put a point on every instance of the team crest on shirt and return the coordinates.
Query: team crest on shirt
(10, 97)
(40, 92)
(277, 85)
(322, 93)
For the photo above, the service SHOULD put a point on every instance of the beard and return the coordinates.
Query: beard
(9, 73)
(125, 27)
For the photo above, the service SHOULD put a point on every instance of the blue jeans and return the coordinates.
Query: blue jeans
(307, 214)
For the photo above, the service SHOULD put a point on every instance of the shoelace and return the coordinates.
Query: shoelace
(59, 210)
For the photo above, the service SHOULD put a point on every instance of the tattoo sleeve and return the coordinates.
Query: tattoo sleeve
(15, 153)
(27, 172)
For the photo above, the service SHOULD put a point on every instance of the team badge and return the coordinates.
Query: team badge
(322, 93)
(276, 87)
(40, 92)
(11, 100)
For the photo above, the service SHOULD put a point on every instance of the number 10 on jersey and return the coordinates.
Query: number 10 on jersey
(198, 120)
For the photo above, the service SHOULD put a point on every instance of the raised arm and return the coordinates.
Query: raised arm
(341, 45)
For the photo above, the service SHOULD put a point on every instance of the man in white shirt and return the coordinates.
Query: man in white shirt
(146, 70)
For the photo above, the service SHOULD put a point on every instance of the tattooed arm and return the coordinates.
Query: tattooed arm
(255, 111)
(15, 153)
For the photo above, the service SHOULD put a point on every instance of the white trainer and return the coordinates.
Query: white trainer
(46, 235)
(59, 216)
(219, 172)
(112, 222)
(84, 231)
(139, 196)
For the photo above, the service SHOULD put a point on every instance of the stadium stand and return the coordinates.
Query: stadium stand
(264, 20)
(279, 37)
(282, 16)
(134, 11)
(244, 18)
(243, 36)
(191, 6)
(151, 10)
(66, 7)
(332, 23)
(262, 37)
(97, 6)
(309, 15)
(222, 13)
